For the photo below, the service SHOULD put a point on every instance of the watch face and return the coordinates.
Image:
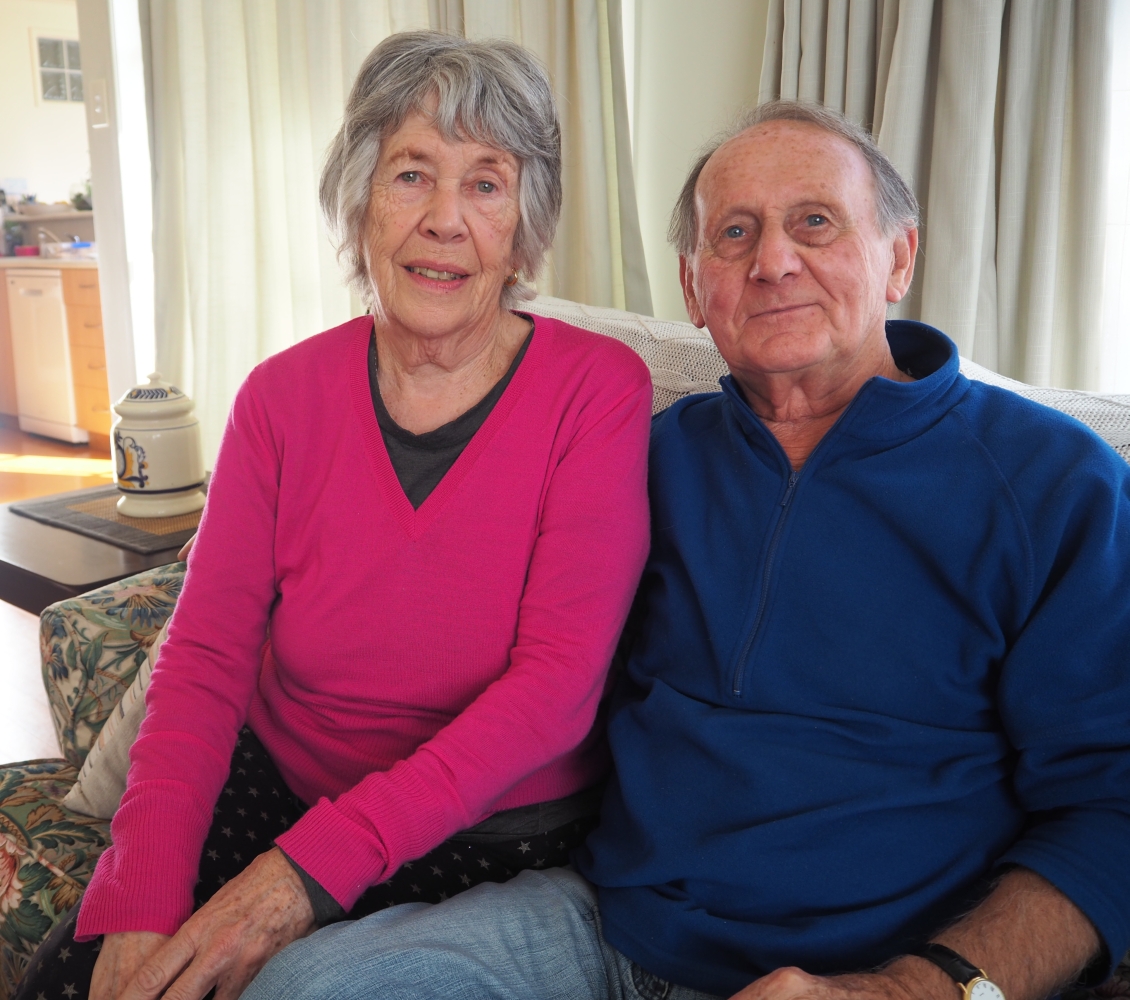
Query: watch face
(982, 989)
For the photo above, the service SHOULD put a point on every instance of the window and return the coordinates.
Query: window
(60, 70)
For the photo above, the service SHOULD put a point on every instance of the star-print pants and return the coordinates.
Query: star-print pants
(254, 808)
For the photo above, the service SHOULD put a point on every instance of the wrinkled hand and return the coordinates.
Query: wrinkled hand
(228, 940)
(904, 979)
(186, 549)
(118, 961)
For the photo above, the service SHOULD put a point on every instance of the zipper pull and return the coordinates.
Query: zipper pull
(793, 477)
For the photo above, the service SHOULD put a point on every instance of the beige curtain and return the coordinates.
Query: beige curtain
(245, 97)
(996, 112)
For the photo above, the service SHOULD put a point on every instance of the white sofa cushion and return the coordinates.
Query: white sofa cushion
(102, 780)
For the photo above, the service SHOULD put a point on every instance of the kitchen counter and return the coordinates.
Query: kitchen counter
(46, 263)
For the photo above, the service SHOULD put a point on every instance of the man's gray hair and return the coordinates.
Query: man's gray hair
(895, 205)
(493, 92)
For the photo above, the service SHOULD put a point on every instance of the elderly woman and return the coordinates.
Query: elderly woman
(423, 533)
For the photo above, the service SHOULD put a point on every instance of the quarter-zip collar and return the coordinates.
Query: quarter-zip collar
(883, 411)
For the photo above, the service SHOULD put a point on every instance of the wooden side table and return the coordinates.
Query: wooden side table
(41, 564)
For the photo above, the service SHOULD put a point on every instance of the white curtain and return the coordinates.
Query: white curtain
(996, 112)
(245, 98)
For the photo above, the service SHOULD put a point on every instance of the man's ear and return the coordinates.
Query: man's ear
(902, 265)
(690, 296)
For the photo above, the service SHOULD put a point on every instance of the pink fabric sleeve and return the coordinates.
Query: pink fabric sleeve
(180, 760)
(586, 564)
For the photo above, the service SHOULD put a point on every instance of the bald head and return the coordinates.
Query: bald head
(895, 204)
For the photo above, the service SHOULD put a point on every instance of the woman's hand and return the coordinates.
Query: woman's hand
(118, 961)
(186, 549)
(228, 940)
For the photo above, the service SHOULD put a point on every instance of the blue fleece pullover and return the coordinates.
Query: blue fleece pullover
(862, 688)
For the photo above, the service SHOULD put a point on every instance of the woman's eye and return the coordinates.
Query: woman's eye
(485, 187)
(411, 176)
(815, 220)
(733, 232)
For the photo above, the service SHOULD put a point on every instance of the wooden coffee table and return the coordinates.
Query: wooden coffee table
(41, 564)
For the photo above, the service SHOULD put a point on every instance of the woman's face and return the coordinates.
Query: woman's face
(441, 227)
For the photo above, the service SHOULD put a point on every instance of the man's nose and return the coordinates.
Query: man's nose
(774, 257)
(444, 218)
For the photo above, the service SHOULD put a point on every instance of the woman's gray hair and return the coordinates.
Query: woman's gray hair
(493, 92)
(895, 205)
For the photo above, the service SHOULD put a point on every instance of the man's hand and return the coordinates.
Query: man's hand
(225, 943)
(1027, 936)
(906, 979)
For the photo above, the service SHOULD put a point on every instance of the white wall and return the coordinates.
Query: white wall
(43, 142)
(696, 66)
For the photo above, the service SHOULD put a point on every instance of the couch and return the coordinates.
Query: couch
(92, 647)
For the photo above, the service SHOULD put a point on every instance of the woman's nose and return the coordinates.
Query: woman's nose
(444, 219)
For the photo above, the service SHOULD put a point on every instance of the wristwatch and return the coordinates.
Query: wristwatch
(974, 984)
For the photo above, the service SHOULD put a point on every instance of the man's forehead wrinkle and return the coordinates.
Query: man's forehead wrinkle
(832, 167)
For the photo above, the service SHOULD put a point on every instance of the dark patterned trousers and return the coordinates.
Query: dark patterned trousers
(256, 806)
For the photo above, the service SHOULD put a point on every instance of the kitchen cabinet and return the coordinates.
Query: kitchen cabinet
(88, 351)
(58, 353)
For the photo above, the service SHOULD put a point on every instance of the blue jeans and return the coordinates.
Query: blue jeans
(536, 937)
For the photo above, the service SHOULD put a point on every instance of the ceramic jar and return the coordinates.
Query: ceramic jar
(158, 462)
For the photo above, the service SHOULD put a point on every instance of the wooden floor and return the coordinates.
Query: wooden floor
(33, 466)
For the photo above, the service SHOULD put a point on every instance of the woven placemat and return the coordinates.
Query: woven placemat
(93, 513)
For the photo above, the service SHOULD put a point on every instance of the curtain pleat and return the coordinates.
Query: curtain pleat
(996, 113)
(247, 96)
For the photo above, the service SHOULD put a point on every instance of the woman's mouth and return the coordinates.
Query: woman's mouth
(435, 275)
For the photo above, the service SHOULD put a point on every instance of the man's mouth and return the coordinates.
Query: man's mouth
(435, 275)
(778, 310)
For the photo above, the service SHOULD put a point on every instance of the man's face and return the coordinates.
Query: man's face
(791, 272)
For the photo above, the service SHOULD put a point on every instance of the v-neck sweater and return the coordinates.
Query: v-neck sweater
(422, 460)
(424, 668)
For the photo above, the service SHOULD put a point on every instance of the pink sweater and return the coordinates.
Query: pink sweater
(425, 668)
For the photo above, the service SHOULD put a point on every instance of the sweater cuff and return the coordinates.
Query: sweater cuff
(1087, 875)
(342, 857)
(368, 832)
(326, 909)
(144, 881)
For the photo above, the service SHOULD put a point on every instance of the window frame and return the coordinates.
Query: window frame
(65, 40)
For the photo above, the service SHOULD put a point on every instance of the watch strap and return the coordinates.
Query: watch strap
(959, 969)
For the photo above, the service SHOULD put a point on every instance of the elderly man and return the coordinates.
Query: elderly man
(871, 738)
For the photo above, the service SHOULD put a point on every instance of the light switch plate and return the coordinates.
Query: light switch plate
(99, 110)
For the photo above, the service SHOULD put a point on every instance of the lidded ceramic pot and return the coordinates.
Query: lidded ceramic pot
(158, 461)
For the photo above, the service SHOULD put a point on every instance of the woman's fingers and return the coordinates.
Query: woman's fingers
(161, 969)
(122, 955)
(227, 941)
(186, 549)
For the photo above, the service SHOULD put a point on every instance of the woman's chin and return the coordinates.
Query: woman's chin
(441, 314)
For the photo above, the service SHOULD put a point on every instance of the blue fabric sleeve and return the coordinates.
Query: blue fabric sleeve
(1064, 689)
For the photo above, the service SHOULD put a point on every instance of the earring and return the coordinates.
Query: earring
(512, 279)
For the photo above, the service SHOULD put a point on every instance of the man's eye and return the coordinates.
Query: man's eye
(485, 187)
(733, 232)
(816, 220)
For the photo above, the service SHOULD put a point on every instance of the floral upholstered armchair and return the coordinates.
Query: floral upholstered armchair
(91, 646)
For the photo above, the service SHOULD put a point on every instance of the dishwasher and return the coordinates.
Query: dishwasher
(42, 355)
